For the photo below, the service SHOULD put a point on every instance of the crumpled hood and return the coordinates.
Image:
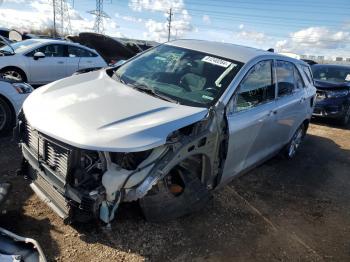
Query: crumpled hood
(93, 111)
(326, 85)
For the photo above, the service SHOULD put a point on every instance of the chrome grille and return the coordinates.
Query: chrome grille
(57, 158)
(51, 153)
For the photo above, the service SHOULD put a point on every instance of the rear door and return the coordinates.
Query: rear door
(50, 68)
(81, 58)
(251, 117)
(291, 100)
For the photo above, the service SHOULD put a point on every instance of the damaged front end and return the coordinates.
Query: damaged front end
(169, 181)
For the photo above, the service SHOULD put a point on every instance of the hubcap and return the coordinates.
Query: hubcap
(12, 75)
(3, 117)
(295, 143)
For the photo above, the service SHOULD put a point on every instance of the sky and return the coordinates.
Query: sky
(312, 27)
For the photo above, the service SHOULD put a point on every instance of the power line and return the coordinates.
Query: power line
(264, 9)
(272, 3)
(262, 16)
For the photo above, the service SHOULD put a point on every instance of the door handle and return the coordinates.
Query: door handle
(60, 62)
(272, 112)
(89, 62)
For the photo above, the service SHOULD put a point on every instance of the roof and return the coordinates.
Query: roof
(58, 41)
(231, 51)
(332, 65)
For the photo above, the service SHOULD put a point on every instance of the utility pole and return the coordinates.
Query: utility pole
(54, 18)
(99, 16)
(170, 13)
(62, 14)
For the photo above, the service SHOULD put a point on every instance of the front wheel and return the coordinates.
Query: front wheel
(13, 74)
(179, 193)
(295, 142)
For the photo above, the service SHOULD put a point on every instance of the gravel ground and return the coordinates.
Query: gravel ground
(295, 210)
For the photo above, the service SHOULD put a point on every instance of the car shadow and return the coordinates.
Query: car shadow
(328, 122)
(14, 216)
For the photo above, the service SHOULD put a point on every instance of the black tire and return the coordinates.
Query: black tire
(294, 144)
(14, 74)
(160, 204)
(345, 120)
(6, 117)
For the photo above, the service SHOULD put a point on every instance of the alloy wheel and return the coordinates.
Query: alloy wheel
(295, 142)
(12, 74)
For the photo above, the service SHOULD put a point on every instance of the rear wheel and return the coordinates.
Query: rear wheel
(6, 116)
(179, 193)
(295, 142)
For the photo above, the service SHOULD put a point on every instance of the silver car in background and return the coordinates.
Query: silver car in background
(166, 128)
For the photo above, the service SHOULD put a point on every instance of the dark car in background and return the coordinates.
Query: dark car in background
(333, 92)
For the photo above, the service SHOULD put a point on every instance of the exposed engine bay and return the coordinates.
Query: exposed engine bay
(168, 181)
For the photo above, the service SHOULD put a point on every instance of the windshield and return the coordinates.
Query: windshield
(185, 76)
(331, 73)
(19, 46)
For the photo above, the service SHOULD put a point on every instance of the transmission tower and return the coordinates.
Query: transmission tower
(61, 18)
(99, 16)
(169, 19)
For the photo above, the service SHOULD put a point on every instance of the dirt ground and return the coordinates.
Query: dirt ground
(284, 210)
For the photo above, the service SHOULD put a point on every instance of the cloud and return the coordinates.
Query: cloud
(315, 39)
(128, 18)
(241, 26)
(206, 19)
(255, 36)
(156, 5)
(181, 20)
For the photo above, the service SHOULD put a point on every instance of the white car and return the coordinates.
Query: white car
(40, 61)
(12, 96)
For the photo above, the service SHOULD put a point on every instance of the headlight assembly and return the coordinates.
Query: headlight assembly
(337, 93)
(22, 88)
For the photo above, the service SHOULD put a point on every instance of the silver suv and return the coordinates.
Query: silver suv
(166, 128)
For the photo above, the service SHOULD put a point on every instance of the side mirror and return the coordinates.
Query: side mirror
(38, 55)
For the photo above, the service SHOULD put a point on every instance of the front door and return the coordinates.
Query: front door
(49, 68)
(251, 117)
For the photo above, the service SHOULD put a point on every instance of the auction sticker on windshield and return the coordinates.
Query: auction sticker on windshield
(216, 61)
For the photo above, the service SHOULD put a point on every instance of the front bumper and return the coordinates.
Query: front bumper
(45, 184)
(330, 108)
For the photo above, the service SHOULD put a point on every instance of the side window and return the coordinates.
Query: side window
(285, 77)
(308, 73)
(298, 80)
(74, 51)
(256, 88)
(50, 51)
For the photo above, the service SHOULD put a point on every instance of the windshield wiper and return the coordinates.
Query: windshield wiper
(150, 90)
